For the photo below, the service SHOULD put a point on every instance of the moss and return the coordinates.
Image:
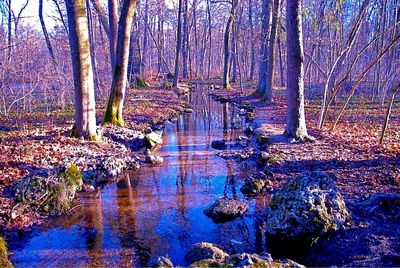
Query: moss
(73, 176)
(111, 116)
(168, 85)
(262, 138)
(141, 82)
(4, 261)
(275, 159)
(206, 263)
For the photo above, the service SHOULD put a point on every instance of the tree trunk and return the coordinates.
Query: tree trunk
(115, 104)
(85, 110)
(178, 44)
(253, 44)
(227, 45)
(268, 96)
(46, 35)
(265, 31)
(388, 111)
(295, 120)
(145, 40)
(9, 47)
(113, 24)
(185, 40)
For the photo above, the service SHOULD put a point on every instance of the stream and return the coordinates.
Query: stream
(155, 211)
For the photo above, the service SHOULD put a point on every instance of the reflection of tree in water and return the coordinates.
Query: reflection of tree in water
(92, 222)
(230, 182)
(181, 181)
(134, 248)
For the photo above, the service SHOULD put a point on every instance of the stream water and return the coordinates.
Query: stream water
(154, 211)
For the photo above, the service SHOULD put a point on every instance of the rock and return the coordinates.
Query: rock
(306, 208)
(226, 209)
(206, 251)
(206, 263)
(218, 144)
(154, 159)
(51, 193)
(153, 139)
(162, 262)
(87, 188)
(256, 185)
(250, 260)
(4, 261)
(112, 166)
(250, 116)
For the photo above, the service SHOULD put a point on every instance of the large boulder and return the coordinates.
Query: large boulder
(206, 251)
(306, 208)
(226, 209)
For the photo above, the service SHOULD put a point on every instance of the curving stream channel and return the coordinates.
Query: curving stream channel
(155, 211)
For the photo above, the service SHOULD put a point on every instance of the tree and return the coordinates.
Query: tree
(115, 103)
(268, 96)
(178, 44)
(227, 44)
(45, 33)
(85, 106)
(295, 118)
(265, 32)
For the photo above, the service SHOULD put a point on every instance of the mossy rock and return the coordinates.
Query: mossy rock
(50, 193)
(306, 208)
(207, 263)
(4, 261)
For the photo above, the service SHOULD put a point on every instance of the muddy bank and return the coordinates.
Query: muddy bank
(38, 150)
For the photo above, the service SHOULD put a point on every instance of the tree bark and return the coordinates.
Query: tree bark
(253, 44)
(185, 40)
(45, 33)
(115, 104)
(85, 106)
(265, 32)
(227, 45)
(268, 96)
(113, 24)
(295, 120)
(178, 44)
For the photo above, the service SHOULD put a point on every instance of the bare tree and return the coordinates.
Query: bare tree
(227, 44)
(115, 104)
(268, 96)
(295, 122)
(178, 44)
(85, 106)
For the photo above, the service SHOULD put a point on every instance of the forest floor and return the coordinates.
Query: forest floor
(35, 142)
(353, 157)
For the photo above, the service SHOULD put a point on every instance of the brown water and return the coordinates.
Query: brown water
(155, 211)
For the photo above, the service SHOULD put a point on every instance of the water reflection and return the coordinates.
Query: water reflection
(156, 211)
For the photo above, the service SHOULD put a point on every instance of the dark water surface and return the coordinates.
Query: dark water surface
(154, 211)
